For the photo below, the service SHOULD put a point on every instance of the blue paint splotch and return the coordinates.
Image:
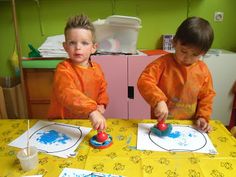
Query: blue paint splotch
(52, 137)
(175, 134)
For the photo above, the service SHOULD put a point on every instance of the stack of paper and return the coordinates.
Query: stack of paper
(53, 47)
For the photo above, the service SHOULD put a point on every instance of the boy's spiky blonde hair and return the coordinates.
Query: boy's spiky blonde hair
(80, 21)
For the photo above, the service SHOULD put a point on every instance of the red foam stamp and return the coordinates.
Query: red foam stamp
(101, 141)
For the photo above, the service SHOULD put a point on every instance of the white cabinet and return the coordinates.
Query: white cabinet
(223, 70)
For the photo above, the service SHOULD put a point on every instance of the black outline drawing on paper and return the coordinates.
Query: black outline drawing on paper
(33, 136)
(180, 142)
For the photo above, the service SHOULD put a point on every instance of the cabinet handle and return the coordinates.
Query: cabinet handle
(130, 92)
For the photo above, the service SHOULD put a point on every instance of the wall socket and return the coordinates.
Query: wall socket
(218, 16)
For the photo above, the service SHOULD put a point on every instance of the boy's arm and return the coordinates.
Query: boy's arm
(69, 95)
(147, 85)
(205, 99)
(103, 97)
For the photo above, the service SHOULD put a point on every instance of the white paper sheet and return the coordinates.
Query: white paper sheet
(53, 138)
(182, 138)
(72, 172)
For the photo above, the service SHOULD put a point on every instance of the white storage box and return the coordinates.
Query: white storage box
(117, 34)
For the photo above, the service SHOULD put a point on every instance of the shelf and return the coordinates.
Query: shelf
(41, 63)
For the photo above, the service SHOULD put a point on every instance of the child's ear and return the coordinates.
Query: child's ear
(174, 41)
(64, 46)
(202, 53)
(94, 49)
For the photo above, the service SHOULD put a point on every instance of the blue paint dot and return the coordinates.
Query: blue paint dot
(52, 137)
(175, 134)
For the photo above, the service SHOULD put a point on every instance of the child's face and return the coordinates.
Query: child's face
(186, 55)
(79, 45)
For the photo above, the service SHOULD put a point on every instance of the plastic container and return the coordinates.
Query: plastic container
(28, 161)
(117, 34)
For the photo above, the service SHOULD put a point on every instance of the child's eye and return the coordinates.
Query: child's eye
(85, 43)
(72, 43)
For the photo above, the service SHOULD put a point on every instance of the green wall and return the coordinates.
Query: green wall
(7, 40)
(158, 17)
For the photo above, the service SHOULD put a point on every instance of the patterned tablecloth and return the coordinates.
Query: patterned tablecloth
(122, 158)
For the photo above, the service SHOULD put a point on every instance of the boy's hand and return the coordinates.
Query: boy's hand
(161, 110)
(203, 125)
(98, 121)
(101, 108)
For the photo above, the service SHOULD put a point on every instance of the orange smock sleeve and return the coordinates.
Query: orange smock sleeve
(205, 98)
(148, 83)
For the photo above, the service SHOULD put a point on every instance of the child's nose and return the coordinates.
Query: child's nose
(185, 57)
(78, 45)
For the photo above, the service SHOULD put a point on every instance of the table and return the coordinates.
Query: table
(122, 158)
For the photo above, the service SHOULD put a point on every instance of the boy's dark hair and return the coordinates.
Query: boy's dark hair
(195, 31)
(80, 21)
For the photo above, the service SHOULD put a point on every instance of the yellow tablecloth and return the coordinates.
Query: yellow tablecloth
(122, 158)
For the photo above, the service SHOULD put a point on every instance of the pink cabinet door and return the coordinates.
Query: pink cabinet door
(138, 108)
(115, 71)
